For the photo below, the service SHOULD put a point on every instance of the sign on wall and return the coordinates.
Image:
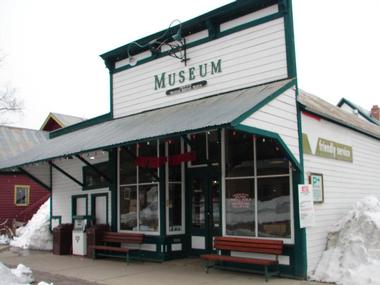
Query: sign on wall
(306, 205)
(316, 180)
(328, 149)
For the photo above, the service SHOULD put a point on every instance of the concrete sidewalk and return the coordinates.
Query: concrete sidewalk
(64, 269)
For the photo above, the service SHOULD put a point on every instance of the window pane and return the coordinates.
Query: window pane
(128, 208)
(174, 148)
(198, 144)
(198, 203)
(273, 207)
(175, 207)
(240, 207)
(215, 199)
(93, 179)
(148, 196)
(149, 173)
(128, 170)
(213, 146)
(239, 154)
(21, 193)
(270, 157)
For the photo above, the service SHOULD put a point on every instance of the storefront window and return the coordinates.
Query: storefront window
(175, 189)
(270, 157)
(239, 154)
(206, 146)
(257, 187)
(240, 207)
(139, 187)
(273, 206)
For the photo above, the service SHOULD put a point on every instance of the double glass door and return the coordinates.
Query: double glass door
(205, 205)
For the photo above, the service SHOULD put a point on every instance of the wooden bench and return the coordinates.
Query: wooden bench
(224, 246)
(111, 242)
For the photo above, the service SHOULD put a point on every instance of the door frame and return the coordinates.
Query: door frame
(209, 231)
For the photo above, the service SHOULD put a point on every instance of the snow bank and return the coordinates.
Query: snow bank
(36, 233)
(4, 239)
(21, 275)
(353, 247)
(18, 276)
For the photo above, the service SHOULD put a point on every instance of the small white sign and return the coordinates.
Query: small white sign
(306, 205)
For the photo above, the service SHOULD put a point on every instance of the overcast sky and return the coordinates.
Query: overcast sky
(52, 49)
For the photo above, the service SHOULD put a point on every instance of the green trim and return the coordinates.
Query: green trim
(81, 125)
(359, 109)
(222, 14)
(35, 179)
(162, 200)
(264, 102)
(59, 218)
(95, 167)
(113, 187)
(51, 195)
(111, 93)
(93, 206)
(204, 40)
(300, 256)
(74, 205)
(72, 178)
(272, 135)
(286, 7)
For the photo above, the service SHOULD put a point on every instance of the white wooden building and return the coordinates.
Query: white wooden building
(205, 137)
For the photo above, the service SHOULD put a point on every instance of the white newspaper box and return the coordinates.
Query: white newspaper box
(79, 236)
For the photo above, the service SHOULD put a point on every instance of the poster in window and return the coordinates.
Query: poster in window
(316, 180)
(306, 205)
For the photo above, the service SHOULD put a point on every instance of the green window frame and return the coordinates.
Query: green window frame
(92, 179)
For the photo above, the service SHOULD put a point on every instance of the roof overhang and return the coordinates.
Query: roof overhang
(215, 111)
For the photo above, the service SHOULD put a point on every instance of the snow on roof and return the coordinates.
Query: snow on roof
(16, 140)
(320, 107)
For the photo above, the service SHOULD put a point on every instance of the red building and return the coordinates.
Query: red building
(21, 194)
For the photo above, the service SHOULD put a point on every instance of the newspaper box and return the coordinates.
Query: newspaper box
(79, 236)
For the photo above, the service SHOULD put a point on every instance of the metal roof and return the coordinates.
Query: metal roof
(16, 140)
(320, 107)
(68, 120)
(186, 117)
(62, 120)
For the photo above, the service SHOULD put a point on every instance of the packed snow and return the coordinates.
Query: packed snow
(21, 275)
(35, 234)
(4, 239)
(352, 256)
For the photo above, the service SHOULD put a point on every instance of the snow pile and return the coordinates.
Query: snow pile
(21, 275)
(18, 276)
(36, 233)
(353, 247)
(4, 239)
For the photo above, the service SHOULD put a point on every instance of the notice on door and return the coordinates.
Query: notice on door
(306, 205)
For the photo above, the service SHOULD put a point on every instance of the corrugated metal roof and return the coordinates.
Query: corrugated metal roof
(16, 140)
(67, 120)
(203, 113)
(320, 107)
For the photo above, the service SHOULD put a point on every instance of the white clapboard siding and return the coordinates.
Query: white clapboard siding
(250, 57)
(249, 17)
(39, 170)
(279, 116)
(344, 183)
(64, 188)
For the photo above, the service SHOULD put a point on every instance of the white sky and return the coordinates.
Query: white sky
(53, 48)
